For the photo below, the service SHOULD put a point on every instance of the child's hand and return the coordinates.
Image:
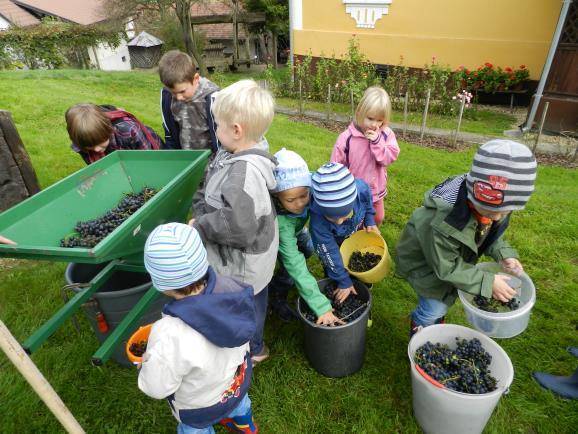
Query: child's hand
(372, 229)
(501, 290)
(512, 266)
(5, 240)
(328, 318)
(341, 294)
(372, 135)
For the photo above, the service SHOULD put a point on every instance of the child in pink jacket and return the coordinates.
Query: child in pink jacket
(368, 145)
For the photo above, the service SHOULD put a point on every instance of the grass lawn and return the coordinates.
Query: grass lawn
(286, 391)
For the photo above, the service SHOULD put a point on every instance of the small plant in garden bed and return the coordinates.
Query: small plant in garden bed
(360, 262)
(493, 79)
(495, 306)
(91, 232)
(348, 311)
(465, 369)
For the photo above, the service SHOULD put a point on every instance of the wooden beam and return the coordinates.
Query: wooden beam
(244, 17)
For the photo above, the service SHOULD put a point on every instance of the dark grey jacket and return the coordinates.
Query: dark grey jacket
(236, 217)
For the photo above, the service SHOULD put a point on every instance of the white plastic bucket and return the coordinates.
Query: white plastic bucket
(502, 324)
(444, 411)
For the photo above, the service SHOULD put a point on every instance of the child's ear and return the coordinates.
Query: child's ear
(238, 131)
(196, 78)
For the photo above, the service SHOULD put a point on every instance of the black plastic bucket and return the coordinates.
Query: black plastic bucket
(114, 300)
(337, 351)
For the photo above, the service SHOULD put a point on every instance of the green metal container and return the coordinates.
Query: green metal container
(39, 223)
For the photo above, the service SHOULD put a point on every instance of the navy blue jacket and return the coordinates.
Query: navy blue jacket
(171, 127)
(327, 236)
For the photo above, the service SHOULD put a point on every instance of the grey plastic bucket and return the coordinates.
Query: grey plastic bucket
(502, 324)
(337, 351)
(445, 411)
(115, 299)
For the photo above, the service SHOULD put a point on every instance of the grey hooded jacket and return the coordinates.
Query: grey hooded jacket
(236, 217)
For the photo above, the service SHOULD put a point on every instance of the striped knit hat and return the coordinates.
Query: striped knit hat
(502, 176)
(334, 190)
(174, 256)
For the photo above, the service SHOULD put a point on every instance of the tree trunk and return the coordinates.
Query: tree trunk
(274, 49)
(183, 10)
(262, 49)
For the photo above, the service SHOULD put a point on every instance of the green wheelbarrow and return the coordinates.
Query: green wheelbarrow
(40, 222)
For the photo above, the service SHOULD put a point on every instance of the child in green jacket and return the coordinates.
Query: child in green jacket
(291, 197)
(462, 219)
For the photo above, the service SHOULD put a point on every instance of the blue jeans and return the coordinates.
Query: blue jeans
(242, 409)
(428, 310)
(282, 282)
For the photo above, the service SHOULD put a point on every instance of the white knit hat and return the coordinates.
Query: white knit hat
(291, 172)
(175, 257)
(502, 176)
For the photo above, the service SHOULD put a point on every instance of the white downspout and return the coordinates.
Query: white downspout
(546, 71)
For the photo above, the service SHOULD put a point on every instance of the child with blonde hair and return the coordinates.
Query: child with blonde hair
(368, 145)
(235, 215)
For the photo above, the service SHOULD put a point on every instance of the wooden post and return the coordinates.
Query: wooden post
(462, 105)
(328, 102)
(235, 34)
(352, 105)
(405, 102)
(300, 98)
(542, 120)
(424, 118)
(43, 389)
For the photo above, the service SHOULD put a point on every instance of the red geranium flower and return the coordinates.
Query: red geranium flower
(475, 74)
(508, 69)
(522, 66)
(488, 65)
(467, 71)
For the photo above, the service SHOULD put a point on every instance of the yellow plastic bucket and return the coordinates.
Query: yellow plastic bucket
(364, 242)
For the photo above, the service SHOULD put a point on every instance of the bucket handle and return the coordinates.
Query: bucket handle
(427, 377)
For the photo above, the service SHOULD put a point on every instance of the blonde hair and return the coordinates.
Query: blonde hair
(87, 125)
(176, 67)
(375, 101)
(246, 104)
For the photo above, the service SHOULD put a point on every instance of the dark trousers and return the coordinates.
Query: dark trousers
(282, 282)
(256, 343)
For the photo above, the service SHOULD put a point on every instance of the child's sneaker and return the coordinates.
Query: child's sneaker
(241, 424)
(263, 355)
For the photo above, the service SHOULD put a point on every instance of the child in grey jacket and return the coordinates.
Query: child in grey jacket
(236, 217)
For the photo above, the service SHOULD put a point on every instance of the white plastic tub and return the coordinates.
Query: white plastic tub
(445, 411)
(504, 324)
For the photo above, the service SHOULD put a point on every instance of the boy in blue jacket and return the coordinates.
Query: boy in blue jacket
(197, 355)
(341, 205)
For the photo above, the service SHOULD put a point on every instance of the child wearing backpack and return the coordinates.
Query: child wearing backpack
(96, 131)
(197, 354)
(368, 146)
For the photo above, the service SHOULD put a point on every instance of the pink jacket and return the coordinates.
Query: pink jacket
(367, 160)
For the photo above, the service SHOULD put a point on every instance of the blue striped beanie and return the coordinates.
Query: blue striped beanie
(502, 176)
(334, 190)
(175, 257)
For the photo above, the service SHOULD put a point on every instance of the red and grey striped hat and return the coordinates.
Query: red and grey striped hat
(502, 176)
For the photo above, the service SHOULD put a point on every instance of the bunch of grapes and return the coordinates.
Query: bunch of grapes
(138, 348)
(349, 310)
(360, 262)
(91, 232)
(465, 369)
(494, 306)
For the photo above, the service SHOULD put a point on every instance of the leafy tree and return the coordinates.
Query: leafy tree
(276, 22)
(122, 10)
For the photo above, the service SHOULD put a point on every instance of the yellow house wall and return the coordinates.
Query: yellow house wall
(456, 32)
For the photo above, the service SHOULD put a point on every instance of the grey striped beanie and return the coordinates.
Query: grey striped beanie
(334, 190)
(502, 176)
(175, 257)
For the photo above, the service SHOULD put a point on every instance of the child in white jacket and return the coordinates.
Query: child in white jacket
(197, 356)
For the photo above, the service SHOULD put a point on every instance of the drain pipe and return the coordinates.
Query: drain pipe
(546, 71)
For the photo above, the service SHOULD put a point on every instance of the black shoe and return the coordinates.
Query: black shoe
(282, 309)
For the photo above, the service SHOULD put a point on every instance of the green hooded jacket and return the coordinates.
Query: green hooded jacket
(437, 252)
(296, 265)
